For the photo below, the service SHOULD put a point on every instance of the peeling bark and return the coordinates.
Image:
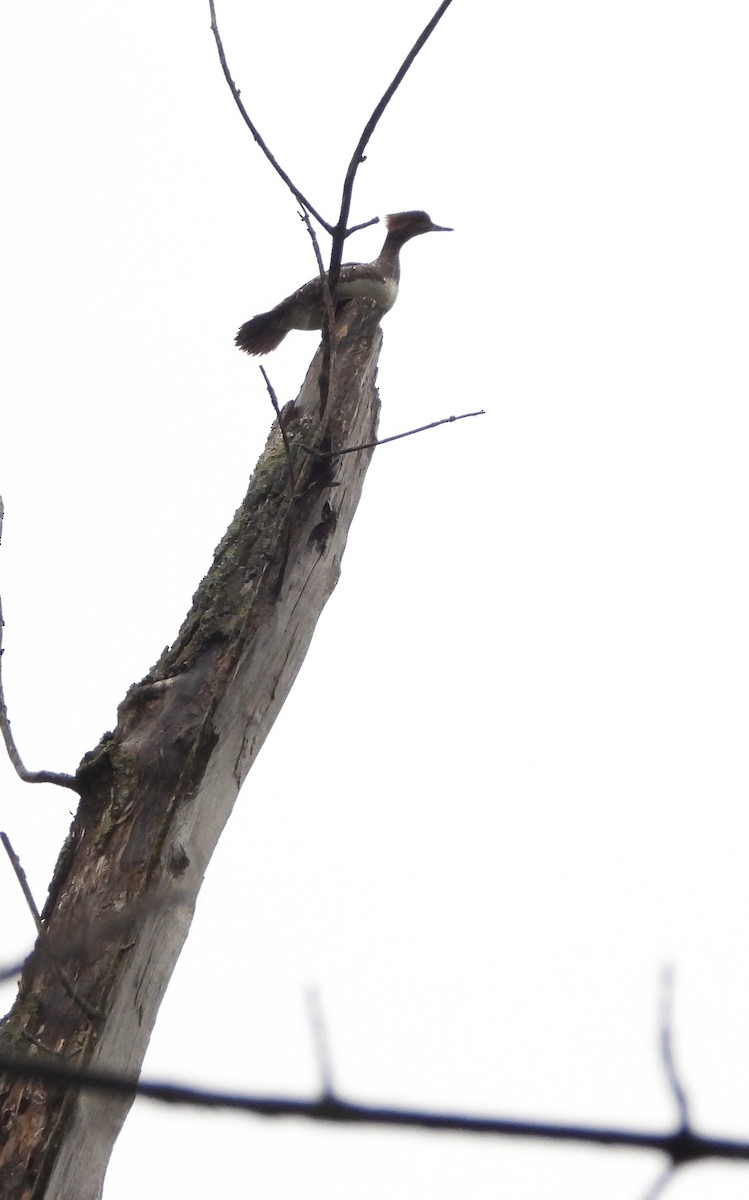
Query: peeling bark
(157, 791)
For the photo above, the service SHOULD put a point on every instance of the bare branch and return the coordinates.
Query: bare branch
(341, 232)
(667, 1057)
(253, 129)
(357, 157)
(661, 1183)
(62, 780)
(304, 216)
(328, 325)
(23, 882)
(41, 931)
(11, 972)
(362, 225)
(277, 410)
(679, 1147)
(320, 1038)
(395, 437)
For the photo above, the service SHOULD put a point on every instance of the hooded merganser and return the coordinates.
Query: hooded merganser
(376, 281)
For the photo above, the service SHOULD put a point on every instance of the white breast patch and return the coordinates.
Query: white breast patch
(382, 291)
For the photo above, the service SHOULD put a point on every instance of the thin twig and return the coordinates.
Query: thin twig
(62, 780)
(23, 882)
(661, 1183)
(320, 1039)
(362, 225)
(666, 1045)
(277, 410)
(304, 216)
(15, 862)
(328, 326)
(395, 437)
(37, 1041)
(253, 129)
(12, 972)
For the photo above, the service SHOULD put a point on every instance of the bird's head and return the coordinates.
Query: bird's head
(411, 224)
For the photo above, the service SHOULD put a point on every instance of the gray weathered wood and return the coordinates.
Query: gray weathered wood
(157, 792)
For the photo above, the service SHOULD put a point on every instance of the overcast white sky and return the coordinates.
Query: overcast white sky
(511, 781)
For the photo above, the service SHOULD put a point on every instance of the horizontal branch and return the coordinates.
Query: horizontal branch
(394, 437)
(680, 1146)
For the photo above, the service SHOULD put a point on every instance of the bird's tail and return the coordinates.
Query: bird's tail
(261, 334)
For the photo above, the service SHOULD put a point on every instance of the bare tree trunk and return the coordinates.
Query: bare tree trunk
(156, 793)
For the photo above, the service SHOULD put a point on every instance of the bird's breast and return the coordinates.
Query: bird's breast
(382, 290)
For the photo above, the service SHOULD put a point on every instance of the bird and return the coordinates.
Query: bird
(377, 281)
